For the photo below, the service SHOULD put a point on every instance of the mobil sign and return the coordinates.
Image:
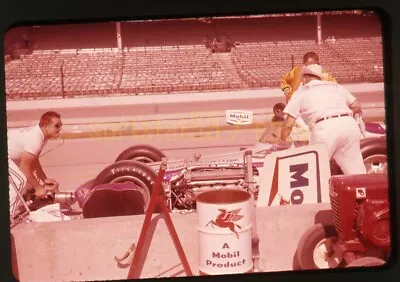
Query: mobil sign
(295, 176)
(239, 117)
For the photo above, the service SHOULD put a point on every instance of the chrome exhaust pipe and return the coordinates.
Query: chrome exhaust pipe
(63, 198)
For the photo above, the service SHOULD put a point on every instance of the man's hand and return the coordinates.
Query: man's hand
(51, 184)
(40, 191)
(285, 144)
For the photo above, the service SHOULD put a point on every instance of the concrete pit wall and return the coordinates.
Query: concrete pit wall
(84, 249)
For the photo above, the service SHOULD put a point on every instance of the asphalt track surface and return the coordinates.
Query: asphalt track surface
(160, 107)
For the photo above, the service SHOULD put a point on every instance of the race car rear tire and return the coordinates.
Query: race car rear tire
(141, 153)
(374, 154)
(129, 172)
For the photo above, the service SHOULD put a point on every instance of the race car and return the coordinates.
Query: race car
(265, 169)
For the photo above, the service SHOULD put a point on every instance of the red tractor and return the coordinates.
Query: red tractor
(360, 233)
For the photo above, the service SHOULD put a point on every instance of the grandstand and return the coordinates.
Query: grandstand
(174, 56)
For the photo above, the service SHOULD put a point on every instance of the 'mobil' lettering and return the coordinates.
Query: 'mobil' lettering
(300, 181)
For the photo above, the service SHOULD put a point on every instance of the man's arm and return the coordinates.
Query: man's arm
(286, 80)
(352, 102)
(287, 128)
(292, 110)
(39, 170)
(50, 184)
(27, 166)
(272, 133)
(355, 107)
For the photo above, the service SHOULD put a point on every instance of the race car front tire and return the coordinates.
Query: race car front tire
(133, 172)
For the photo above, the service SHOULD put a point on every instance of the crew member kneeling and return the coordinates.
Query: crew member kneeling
(328, 109)
(24, 148)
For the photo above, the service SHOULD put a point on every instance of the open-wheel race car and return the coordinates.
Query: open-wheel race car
(254, 168)
(265, 169)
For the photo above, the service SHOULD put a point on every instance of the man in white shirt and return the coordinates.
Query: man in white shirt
(292, 81)
(328, 109)
(24, 148)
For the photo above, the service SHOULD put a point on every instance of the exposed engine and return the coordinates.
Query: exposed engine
(201, 178)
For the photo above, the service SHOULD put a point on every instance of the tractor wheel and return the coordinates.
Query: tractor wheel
(314, 249)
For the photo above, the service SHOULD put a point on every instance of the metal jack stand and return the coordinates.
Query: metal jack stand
(255, 240)
(157, 198)
(15, 217)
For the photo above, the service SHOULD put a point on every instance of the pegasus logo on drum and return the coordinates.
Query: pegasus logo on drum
(226, 220)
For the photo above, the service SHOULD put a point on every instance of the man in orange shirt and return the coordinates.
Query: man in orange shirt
(291, 80)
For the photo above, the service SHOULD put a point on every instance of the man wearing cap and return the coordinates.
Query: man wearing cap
(328, 109)
(292, 80)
